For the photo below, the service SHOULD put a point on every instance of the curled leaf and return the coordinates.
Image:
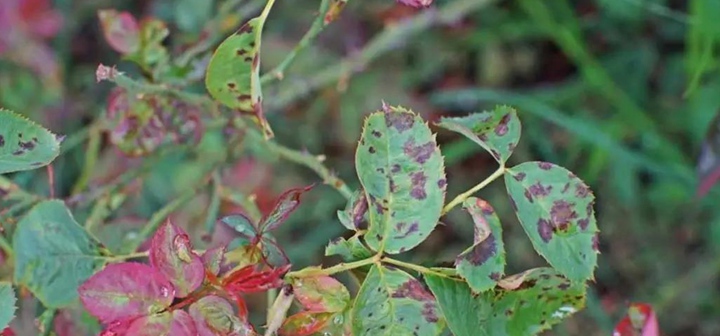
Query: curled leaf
(354, 214)
(483, 263)
(171, 254)
(125, 291)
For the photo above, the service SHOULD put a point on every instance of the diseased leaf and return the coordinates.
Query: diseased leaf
(53, 254)
(350, 250)
(215, 316)
(257, 240)
(7, 308)
(483, 263)
(177, 323)
(556, 210)
(213, 259)
(172, 255)
(497, 131)
(542, 300)
(416, 3)
(305, 323)
(321, 294)
(285, 205)
(272, 253)
(392, 302)
(233, 75)
(126, 291)
(243, 225)
(24, 145)
(401, 169)
(353, 216)
(121, 30)
(639, 321)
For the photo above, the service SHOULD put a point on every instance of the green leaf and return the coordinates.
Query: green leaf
(483, 263)
(392, 302)
(53, 254)
(355, 211)
(541, 298)
(7, 308)
(497, 131)
(401, 169)
(555, 208)
(233, 75)
(24, 145)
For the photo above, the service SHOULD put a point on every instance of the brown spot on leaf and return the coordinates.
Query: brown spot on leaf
(245, 29)
(545, 230)
(429, 312)
(376, 134)
(395, 168)
(481, 252)
(502, 128)
(442, 183)
(26, 145)
(18, 152)
(519, 176)
(528, 195)
(418, 180)
(401, 121)
(545, 165)
(248, 60)
(584, 223)
(2, 141)
(371, 150)
(393, 186)
(240, 52)
(538, 189)
(495, 276)
(563, 286)
(495, 154)
(380, 170)
(406, 229)
(561, 214)
(596, 242)
(589, 209)
(421, 153)
(581, 190)
(413, 289)
(244, 97)
(359, 209)
(566, 187)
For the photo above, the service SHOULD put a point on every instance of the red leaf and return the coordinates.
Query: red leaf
(179, 323)
(214, 316)
(250, 279)
(7, 332)
(321, 294)
(171, 254)
(305, 323)
(125, 291)
(639, 321)
(121, 30)
(285, 205)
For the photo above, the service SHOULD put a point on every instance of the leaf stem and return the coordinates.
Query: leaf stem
(266, 11)
(341, 267)
(127, 256)
(462, 197)
(414, 267)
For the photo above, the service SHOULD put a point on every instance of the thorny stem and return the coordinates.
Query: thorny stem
(341, 267)
(462, 197)
(414, 267)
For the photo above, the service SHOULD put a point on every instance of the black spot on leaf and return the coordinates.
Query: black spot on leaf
(482, 251)
(561, 214)
(418, 180)
(421, 153)
(502, 128)
(519, 176)
(545, 165)
(545, 230)
(400, 121)
(538, 189)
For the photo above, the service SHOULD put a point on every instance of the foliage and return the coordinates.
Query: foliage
(170, 216)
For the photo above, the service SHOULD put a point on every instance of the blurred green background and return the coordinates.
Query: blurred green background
(621, 92)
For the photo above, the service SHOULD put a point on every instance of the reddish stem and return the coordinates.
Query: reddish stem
(51, 180)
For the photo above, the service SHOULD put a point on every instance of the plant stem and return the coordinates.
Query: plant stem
(266, 11)
(414, 267)
(214, 206)
(341, 267)
(462, 197)
(127, 256)
(6, 247)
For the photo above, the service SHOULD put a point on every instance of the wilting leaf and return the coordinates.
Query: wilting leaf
(542, 300)
(305, 323)
(354, 214)
(252, 278)
(639, 321)
(213, 259)
(483, 263)
(556, 210)
(285, 205)
(321, 294)
(121, 30)
(177, 323)
(7, 309)
(497, 131)
(125, 291)
(401, 169)
(350, 250)
(24, 145)
(233, 75)
(53, 254)
(172, 255)
(215, 316)
(392, 302)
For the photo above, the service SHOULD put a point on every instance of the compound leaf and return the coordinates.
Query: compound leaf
(321, 294)
(53, 254)
(483, 263)
(213, 315)
(126, 291)
(542, 299)
(392, 302)
(24, 145)
(401, 169)
(233, 75)
(555, 208)
(172, 255)
(497, 131)
(8, 299)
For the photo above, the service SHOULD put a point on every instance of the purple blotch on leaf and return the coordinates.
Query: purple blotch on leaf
(561, 214)
(519, 176)
(442, 183)
(402, 121)
(400, 227)
(502, 128)
(528, 195)
(581, 190)
(538, 189)
(418, 180)
(545, 165)
(2, 141)
(395, 168)
(421, 153)
(481, 252)
(545, 229)
(413, 289)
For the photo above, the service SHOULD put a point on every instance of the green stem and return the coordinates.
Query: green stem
(341, 267)
(266, 11)
(214, 206)
(462, 197)
(414, 267)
